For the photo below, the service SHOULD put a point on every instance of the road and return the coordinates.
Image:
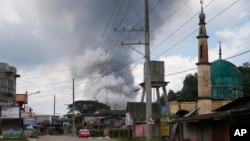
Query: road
(66, 138)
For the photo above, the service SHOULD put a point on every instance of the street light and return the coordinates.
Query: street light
(30, 95)
(34, 93)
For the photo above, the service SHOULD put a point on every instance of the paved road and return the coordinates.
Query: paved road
(66, 138)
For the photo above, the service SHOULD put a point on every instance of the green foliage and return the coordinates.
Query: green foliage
(172, 95)
(189, 90)
(78, 127)
(190, 87)
(115, 133)
(245, 72)
(87, 106)
(172, 116)
(15, 139)
(96, 133)
(35, 133)
(137, 139)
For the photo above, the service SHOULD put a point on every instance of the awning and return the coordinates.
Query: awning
(197, 118)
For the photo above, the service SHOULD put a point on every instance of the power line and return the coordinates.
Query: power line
(238, 54)
(196, 68)
(179, 28)
(126, 65)
(194, 30)
(180, 72)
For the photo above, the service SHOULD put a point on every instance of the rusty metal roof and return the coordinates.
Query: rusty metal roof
(238, 107)
(243, 102)
(197, 118)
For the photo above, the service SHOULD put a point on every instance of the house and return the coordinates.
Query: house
(137, 111)
(213, 126)
(104, 120)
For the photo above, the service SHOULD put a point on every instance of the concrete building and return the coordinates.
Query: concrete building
(8, 75)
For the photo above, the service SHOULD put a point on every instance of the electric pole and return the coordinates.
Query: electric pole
(147, 71)
(147, 75)
(73, 110)
(54, 119)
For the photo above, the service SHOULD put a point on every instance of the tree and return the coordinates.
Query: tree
(87, 106)
(245, 72)
(172, 95)
(189, 90)
(190, 87)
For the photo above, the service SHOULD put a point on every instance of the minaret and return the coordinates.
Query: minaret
(204, 101)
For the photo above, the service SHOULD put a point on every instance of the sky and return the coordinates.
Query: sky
(50, 42)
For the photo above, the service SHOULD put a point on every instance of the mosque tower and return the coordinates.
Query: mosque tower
(204, 83)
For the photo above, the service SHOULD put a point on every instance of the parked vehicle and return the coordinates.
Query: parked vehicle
(84, 133)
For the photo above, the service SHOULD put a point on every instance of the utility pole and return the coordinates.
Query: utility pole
(73, 110)
(147, 71)
(54, 119)
(147, 75)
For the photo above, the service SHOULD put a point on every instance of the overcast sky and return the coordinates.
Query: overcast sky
(50, 42)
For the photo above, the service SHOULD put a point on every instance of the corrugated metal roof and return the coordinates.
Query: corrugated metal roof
(107, 113)
(243, 102)
(238, 107)
(197, 118)
(137, 110)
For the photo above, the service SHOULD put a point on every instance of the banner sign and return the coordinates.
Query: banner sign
(12, 132)
(129, 121)
(30, 121)
(25, 114)
(164, 127)
(10, 112)
(26, 108)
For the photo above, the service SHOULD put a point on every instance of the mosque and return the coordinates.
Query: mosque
(220, 105)
(219, 82)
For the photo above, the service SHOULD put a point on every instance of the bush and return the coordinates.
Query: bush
(14, 139)
(137, 139)
(96, 133)
(114, 133)
(78, 127)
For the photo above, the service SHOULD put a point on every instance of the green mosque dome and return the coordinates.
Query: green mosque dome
(226, 80)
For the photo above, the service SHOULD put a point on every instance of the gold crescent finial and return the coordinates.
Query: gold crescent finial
(201, 1)
(201, 5)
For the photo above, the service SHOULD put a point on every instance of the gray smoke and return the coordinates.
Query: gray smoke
(85, 30)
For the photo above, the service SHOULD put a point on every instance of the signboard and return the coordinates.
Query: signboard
(25, 114)
(164, 127)
(30, 121)
(12, 133)
(150, 120)
(28, 133)
(26, 108)
(10, 112)
(129, 121)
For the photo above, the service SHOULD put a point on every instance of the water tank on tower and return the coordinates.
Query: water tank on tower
(157, 71)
